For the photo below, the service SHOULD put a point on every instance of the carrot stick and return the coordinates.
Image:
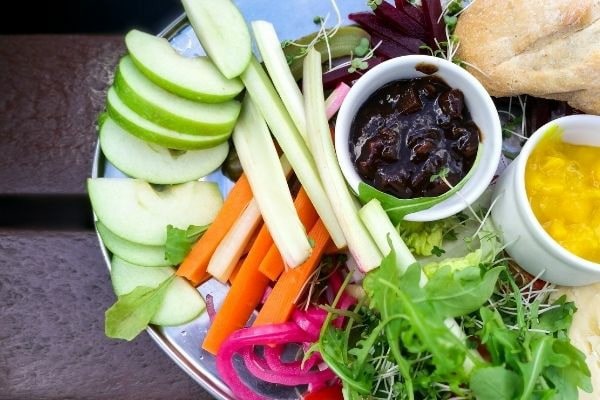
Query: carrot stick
(331, 249)
(272, 265)
(244, 296)
(235, 270)
(194, 265)
(281, 301)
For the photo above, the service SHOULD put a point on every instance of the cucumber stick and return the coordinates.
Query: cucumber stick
(258, 156)
(267, 100)
(279, 71)
(360, 243)
(169, 110)
(195, 78)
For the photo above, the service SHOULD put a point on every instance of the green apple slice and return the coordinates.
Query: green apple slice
(154, 163)
(195, 78)
(182, 302)
(141, 254)
(140, 213)
(151, 132)
(223, 33)
(169, 110)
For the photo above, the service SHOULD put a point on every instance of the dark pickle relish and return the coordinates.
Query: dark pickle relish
(410, 130)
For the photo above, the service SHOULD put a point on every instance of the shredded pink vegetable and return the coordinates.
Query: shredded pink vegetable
(270, 367)
(258, 367)
(210, 307)
(335, 99)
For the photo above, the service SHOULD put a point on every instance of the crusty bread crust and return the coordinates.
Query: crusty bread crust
(545, 48)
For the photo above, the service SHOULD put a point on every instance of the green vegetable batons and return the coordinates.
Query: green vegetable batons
(382, 231)
(195, 78)
(258, 156)
(360, 243)
(279, 71)
(265, 98)
(223, 33)
(169, 110)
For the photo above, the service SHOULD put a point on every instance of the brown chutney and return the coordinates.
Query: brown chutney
(408, 132)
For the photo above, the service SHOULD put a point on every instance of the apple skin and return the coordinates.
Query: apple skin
(141, 254)
(195, 78)
(151, 132)
(140, 213)
(182, 302)
(171, 111)
(153, 163)
(223, 33)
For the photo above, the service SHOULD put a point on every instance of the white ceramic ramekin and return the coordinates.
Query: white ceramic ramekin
(526, 240)
(478, 102)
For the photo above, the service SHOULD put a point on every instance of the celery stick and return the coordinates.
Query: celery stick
(279, 71)
(265, 97)
(384, 233)
(360, 243)
(260, 162)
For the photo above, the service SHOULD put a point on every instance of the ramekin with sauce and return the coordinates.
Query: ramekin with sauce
(549, 233)
(386, 151)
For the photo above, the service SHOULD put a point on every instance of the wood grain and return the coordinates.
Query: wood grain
(52, 87)
(54, 288)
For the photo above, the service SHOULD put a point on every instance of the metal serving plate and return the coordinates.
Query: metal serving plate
(292, 19)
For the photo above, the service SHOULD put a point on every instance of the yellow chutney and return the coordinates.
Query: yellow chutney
(563, 187)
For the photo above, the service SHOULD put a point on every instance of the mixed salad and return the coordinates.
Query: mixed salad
(326, 296)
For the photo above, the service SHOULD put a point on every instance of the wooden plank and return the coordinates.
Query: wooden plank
(52, 90)
(54, 288)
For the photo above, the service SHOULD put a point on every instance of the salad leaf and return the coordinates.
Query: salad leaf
(494, 383)
(403, 304)
(132, 312)
(558, 318)
(462, 292)
(422, 237)
(180, 241)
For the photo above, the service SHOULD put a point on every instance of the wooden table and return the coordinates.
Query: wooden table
(54, 286)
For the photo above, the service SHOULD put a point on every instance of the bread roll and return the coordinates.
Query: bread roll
(545, 48)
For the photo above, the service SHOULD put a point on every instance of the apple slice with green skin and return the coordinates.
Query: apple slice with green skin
(169, 110)
(151, 132)
(182, 302)
(140, 213)
(141, 254)
(223, 33)
(195, 78)
(154, 163)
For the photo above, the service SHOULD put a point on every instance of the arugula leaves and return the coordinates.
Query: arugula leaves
(180, 241)
(133, 311)
(400, 347)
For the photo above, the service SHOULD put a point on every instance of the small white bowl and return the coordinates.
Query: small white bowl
(526, 240)
(478, 101)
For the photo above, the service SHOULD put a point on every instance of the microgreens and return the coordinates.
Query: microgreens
(323, 35)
